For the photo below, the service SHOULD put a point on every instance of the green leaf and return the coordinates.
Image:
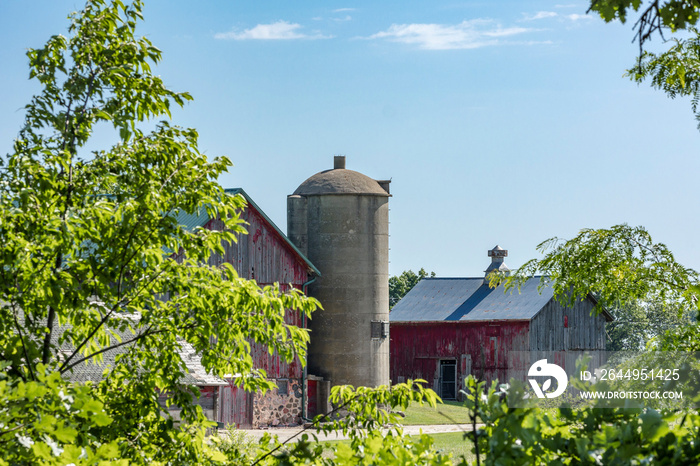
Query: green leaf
(42, 450)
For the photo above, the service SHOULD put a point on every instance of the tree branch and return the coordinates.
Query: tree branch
(102, 322)
(24, 348)
(314, 425)
(9, 431)
(148, 332)
(88, 338)
(51, 318)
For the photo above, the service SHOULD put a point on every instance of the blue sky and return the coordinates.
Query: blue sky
(498, 122)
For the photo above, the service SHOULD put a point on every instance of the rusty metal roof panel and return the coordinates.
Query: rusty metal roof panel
(468, 299)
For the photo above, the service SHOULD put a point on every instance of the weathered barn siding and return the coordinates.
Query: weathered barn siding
(478, 348)
(264, 255)
(562, 335)
(235, 407)
(556, 328)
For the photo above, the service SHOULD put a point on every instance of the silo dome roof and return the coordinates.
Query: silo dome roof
(340, 181)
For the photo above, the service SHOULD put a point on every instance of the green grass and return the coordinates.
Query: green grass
(450, 412)
(446, 443)
(454, 442)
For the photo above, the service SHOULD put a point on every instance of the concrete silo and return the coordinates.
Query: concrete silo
(339, 219)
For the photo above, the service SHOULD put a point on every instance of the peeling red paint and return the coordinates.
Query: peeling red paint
(235, 406)
(480, 349)
(312, 387)
(266, 257)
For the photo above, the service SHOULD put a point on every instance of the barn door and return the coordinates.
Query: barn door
(235, 406)
(311, 398)
(448, 379)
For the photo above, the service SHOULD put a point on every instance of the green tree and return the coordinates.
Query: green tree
(642, 324)
(620, 265)
(93, 259)
(655, 16)
(79, 269)
(675, 71)
(626, 270)
(402, 284)
(596, 435)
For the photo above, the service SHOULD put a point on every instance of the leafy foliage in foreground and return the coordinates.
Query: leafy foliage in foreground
(655, 16)
(620, 266)
(675, 71)
(364, 412)
(628, 434)
(88, 241)
(92, 261)
(368, 416)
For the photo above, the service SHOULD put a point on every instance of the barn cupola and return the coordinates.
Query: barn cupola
(498, 265)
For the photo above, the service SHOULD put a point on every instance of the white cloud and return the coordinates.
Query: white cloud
(539, 15)
(347, 18)
(341, 10)
(465, 35)
(280, 30)
(576, 17)
(552, 14)
(533, 42)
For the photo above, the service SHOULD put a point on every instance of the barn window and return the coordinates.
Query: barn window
(380, 329)
(282, 387)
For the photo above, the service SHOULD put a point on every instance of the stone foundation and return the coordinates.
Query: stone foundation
(275, 408)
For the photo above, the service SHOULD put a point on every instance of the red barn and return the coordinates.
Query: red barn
(447, 328)
(266, 255)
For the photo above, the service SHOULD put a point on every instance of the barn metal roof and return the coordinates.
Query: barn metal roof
(468, 299)
(92, 370)
(200, 218)
(195, 373)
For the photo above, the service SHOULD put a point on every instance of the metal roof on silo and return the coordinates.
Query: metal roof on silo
(468, 299)
(340, 181)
